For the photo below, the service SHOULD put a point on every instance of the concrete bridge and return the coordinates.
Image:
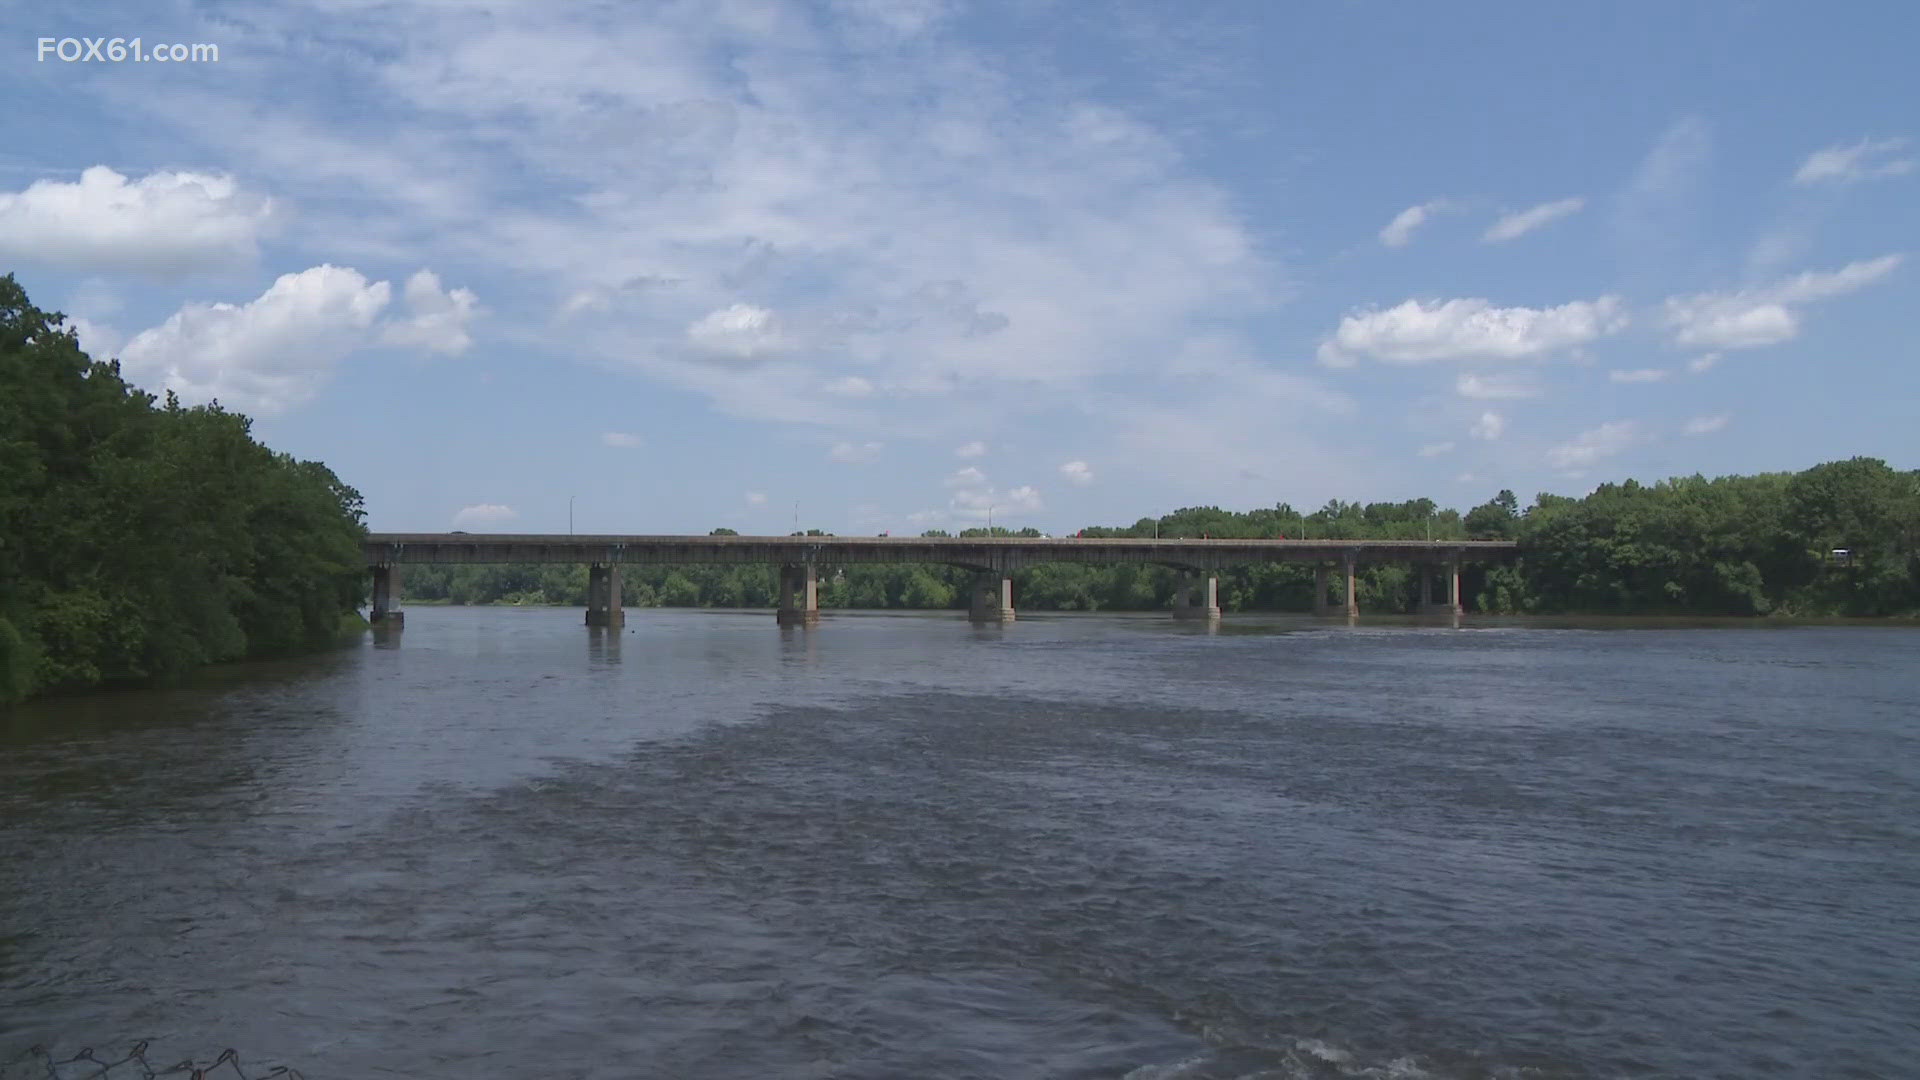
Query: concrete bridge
(991, 559)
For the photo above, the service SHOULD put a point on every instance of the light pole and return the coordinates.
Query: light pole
(569, 515)
(989, 519)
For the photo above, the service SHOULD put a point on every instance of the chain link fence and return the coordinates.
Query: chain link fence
(38, 1063)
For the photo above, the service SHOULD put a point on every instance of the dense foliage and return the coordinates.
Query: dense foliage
(1751, 545)
(139, 541)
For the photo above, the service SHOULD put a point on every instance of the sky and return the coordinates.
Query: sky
(893, 265)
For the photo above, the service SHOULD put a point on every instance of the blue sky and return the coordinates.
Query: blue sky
(907, 262)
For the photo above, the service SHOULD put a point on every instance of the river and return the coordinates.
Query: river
(497, 844)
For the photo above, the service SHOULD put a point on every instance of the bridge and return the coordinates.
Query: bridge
(992, 561)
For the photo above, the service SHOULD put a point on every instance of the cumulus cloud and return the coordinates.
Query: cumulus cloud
(1703, 362)
(1399, 232)
(736, 332)
(1592, 445)
(1078, 472)
(973, 498)
(1638, 375)
(1520, 223)
(620, 440)
(1493, 387)
(756, 498)
(855, 453)
(436, 318)
(1488, 427)
(1420, 331)
(266, 355)
(1750, 318)
(1705, 425)
(484, 514)
(278, 350)
(97, 340)
(163, 223)
(970, 450)
(1436, 449)
(1864, 160)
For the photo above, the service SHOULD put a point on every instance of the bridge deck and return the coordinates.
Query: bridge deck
(992, 553)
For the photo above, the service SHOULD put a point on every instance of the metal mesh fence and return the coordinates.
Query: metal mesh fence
(38, 1063)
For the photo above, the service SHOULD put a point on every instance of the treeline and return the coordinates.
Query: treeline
(1743, 545)
(138, 541)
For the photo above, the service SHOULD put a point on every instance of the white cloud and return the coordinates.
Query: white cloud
(1703, 362)
(738, 332)
(164, 223)
(1705, 425)
(974, 498)
(1638, 375)
(851, 386)
(278, 350)
(97, 340)
(1078, 472)
(756, 498)
(1488, 427)
(1864, 160)
(268, 354)
(1591, 446)
(1518, 224)
(484, 514)
(855, 453)
(1436, 449)
(1750, 318)
(1024, 499)
(970, 450)
(1493, 388)
(1399, 232)
(621, 440)
(1466, 478)
(438, 318)
(1418, 331)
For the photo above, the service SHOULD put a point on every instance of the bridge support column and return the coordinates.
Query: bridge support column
(603, 596)
(991, 599)
(1198, 597)
(1454, 606)
(799, 595)
(385, 608)
(1321, 572)
(1351, 566)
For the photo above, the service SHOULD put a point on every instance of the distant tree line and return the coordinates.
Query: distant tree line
(140, 540)
(1838, 539)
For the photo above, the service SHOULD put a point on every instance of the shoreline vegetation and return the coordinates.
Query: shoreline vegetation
(140, 540)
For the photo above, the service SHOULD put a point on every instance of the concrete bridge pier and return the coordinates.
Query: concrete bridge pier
(1426, 597)
(799, 595)
(991, 597)
(1321, 572)
(603, 596)
(1454, 605)
(1197, 597)
(385, 608)
(1352, 566)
